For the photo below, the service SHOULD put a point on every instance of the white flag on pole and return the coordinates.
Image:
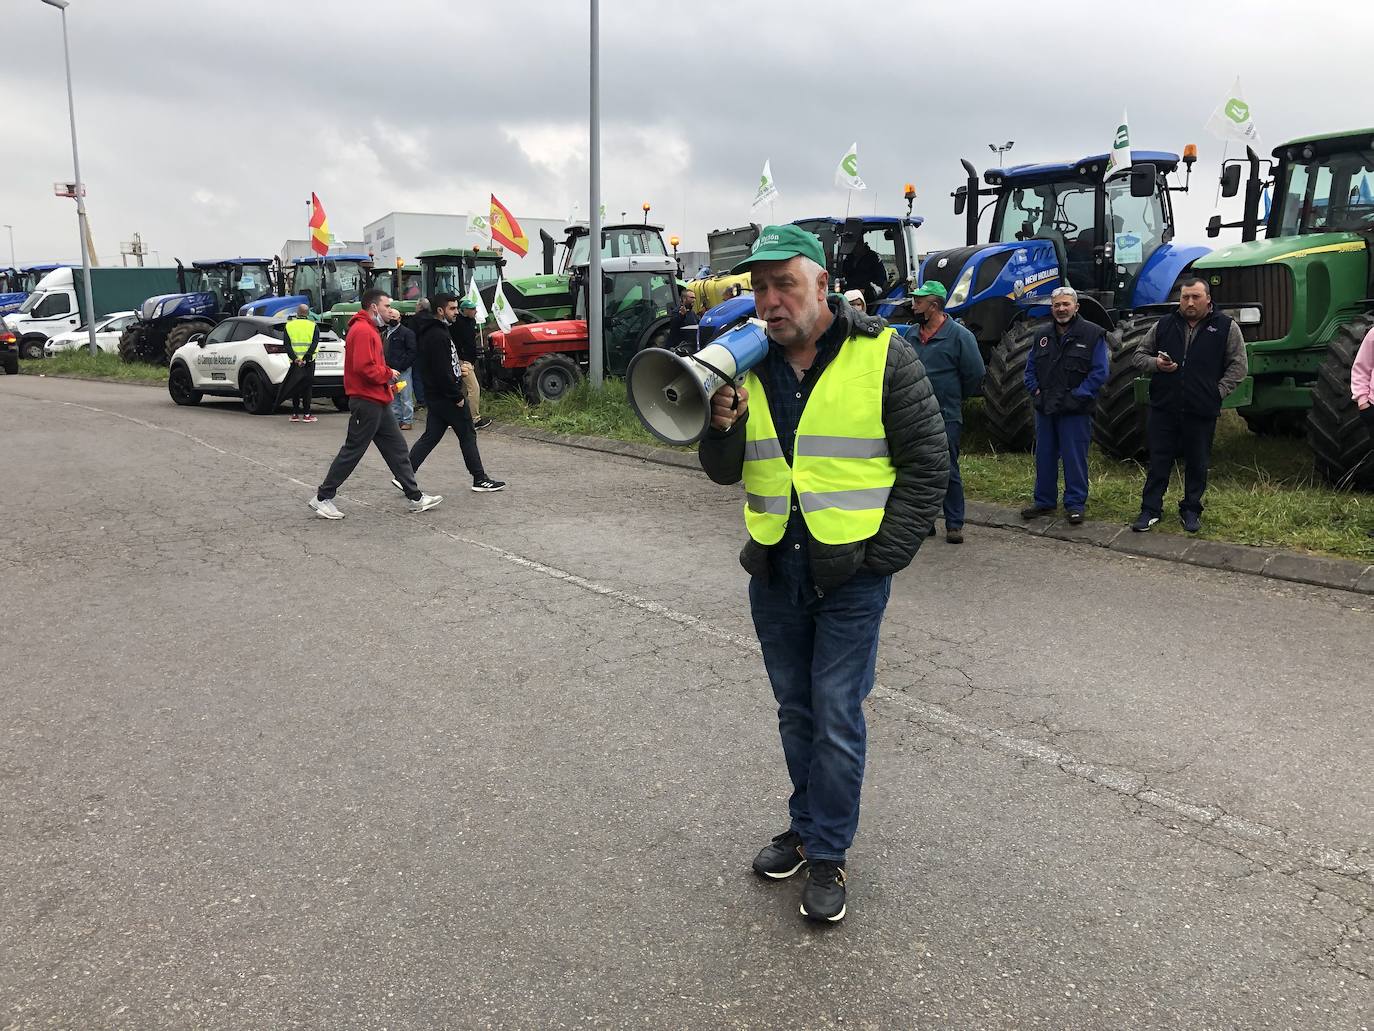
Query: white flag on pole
(478, 227)
(847, 174)
(1120, 158)
(1231, 120)
(476, 297)
(501, 309)
(767, 191)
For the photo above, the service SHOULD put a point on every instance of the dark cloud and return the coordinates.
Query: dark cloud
(206, 126)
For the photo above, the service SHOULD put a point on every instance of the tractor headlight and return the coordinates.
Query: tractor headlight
(962, 287)
(1248, 316)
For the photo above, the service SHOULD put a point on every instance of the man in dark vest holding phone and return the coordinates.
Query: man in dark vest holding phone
(1195, 357)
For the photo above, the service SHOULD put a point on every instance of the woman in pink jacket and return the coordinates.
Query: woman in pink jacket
(1362, 384)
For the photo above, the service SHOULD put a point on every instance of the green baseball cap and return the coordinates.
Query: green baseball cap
(778, 243)
(468, 302)
(931, 288)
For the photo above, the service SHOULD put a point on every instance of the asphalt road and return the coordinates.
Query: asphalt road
(504, 764)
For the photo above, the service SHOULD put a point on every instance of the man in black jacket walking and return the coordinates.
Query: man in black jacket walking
(398, 344)
(838, 438)
(1195, 358)
(442, 370)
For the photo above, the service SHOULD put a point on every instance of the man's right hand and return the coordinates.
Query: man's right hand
(723, 416)
(1164, 364)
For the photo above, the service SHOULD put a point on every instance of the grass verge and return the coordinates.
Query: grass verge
(1262, 490)
(99, 366)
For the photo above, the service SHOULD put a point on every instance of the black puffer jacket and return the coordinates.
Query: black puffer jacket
(918, 448)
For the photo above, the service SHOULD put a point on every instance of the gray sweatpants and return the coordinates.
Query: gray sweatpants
(370, 422)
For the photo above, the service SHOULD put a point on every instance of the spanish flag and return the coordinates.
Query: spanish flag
(319, 227)
(505, 230)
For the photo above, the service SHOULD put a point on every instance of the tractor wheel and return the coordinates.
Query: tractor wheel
(1011, 416)
(258, 393)
(1288, 422)
(1342, 446)
(177, 336)
(340, 402)
(550, 377)
(1119, 423)
(181, 387)
(131, 344)
(31, 348)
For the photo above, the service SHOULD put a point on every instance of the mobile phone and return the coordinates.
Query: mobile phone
(1165, 356)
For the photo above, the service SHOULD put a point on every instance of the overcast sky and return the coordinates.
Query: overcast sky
(205, 126)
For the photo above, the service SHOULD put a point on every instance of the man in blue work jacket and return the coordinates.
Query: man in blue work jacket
(955, 368)
(1068, 365)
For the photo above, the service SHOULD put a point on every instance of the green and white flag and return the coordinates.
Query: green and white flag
(847, 174)
(1232, 119)
(478, 227)
(1120, 158)
(476, 297)
(767, 191)
(501, 309)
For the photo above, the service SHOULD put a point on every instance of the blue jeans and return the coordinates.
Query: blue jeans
(820, 652)
(954, 493)
(1062, 438)
(403, 404)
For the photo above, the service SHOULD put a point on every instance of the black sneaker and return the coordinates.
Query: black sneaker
(1035, 511)
(781, 857)
(1076, 517)
(482, 423)
(1192, 522)
(488, 485)
(1143, 522)
(823, 896)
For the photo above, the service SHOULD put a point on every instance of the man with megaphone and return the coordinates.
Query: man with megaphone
(838, 438)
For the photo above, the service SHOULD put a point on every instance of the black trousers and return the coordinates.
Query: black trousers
(370, 422)
(1173, 435)
(445, 414)
(300, 400)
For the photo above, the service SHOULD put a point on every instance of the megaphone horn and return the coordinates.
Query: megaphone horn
(671, 393)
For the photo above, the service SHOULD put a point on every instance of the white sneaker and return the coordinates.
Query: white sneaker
(326, 509)
(397, 484)
(425, 502)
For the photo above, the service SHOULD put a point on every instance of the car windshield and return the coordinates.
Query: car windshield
(31, 302)
(618, 243)
(1331, 193)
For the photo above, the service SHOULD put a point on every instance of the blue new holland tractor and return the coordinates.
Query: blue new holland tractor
(211, 291)
(1065, 223)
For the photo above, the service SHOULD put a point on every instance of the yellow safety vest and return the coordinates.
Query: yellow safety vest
(299, 333)
(840, 469)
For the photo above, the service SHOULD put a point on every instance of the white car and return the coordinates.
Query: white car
(107, 331)
(247, 357)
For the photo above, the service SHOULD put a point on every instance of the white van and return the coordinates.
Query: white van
(50, 309)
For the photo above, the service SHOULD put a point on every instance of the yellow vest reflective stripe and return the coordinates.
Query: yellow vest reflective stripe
(841, 469)
(299, 333)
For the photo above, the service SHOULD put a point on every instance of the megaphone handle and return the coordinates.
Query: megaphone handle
(734, 394)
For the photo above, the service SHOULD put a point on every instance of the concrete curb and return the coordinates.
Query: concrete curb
(1338, 574)
(97, 379)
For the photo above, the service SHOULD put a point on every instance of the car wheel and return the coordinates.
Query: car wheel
(258, 393)
(181, 387)
(31, 348)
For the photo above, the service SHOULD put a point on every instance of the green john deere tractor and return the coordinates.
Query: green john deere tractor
(1303, 295)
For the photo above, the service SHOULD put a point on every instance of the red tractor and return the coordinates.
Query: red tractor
(545, 359)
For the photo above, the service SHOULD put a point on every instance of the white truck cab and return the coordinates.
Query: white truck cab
(49, 310)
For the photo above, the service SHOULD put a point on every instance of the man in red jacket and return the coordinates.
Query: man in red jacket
(368, 383)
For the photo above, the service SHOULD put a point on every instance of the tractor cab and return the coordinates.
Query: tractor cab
(453, 270)
(639, 296)
(548, 296)
(872, 253)
(617, 241)
(233, 282)
(330, 280)
(403, 284)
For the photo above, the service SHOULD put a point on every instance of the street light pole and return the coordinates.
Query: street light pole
(595, 346)
(61, 5)
(1001, 148)
(14, 262)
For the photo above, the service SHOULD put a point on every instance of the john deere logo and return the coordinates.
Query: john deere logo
(850, 164)
(1215, 280)
(1237, 110)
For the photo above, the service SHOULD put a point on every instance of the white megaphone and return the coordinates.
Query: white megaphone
(671, 393)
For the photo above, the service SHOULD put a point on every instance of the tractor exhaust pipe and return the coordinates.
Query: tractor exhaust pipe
(970, 203)
(1254, 186)
(181, 276)
(549, 245)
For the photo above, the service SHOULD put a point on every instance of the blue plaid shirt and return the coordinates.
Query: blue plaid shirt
(787, 396)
